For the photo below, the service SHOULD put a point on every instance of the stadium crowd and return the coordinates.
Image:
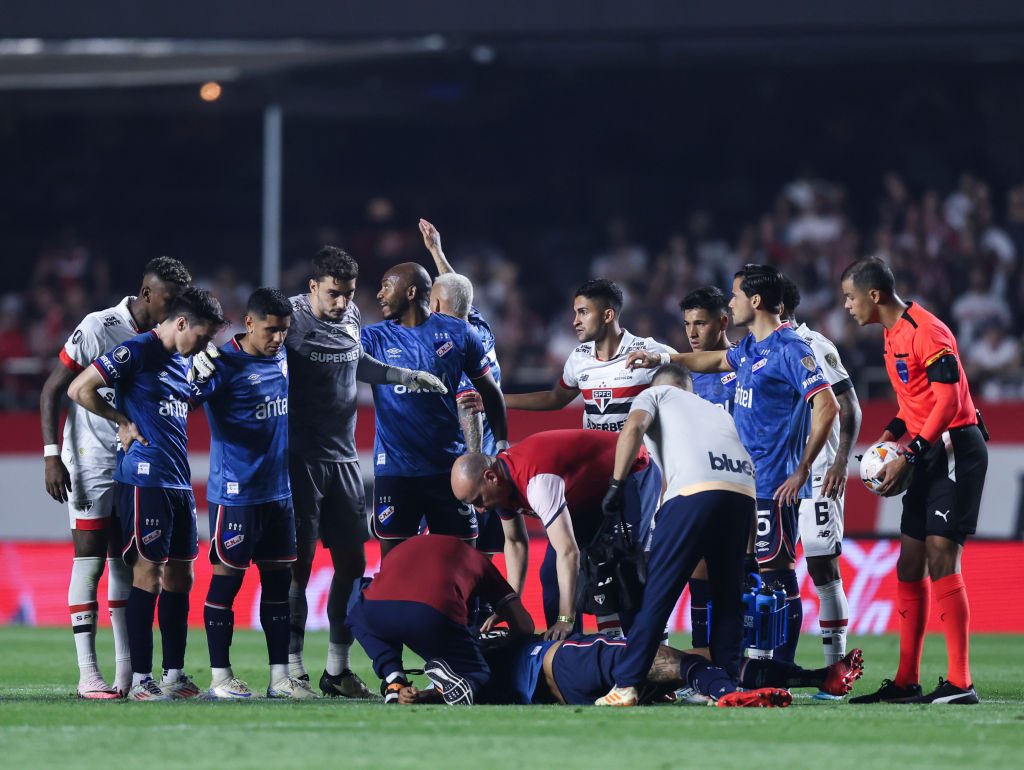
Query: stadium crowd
(958, 251)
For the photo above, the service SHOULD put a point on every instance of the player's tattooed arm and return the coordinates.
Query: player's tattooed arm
(84, 391)
(834, 482)
(472, 423)
(55, 474)
(494, 405)
(432, 240)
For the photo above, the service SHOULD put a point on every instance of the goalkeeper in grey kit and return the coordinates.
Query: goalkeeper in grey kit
(326, 359)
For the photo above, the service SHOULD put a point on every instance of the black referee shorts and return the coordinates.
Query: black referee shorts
(944, 496)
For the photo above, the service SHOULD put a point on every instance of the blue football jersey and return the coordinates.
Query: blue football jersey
(153, 391)
(418, 434)
(483, 331)
(246, 403)
(775, 378)
(515, 672)
(717, 387)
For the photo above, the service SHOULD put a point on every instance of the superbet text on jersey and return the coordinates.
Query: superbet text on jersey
(609, 387)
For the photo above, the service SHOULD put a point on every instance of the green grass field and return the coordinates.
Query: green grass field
(43, 725)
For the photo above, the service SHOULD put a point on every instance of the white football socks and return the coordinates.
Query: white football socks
(833, 618)
(85, 574)
(119, 585)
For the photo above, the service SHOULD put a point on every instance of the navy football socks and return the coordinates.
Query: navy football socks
(219, 618)
(700, 595)
(172, 613)
(139, 616)
(274, 613)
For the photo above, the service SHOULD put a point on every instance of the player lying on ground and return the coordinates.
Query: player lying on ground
(580, 669)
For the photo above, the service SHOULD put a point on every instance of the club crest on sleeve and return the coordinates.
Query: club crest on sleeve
(832, 360)
(809, 363)
(122, 354)
(76, 337)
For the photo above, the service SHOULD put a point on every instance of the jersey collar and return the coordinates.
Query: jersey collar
(122, 310)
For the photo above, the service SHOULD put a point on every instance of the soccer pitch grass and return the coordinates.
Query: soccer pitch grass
(43, 725)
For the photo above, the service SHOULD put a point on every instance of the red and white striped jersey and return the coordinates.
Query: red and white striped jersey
(608, 387)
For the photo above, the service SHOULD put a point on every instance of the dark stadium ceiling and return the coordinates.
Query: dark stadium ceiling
(357, 57)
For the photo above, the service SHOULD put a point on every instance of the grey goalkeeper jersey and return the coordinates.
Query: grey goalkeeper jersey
(322, 358)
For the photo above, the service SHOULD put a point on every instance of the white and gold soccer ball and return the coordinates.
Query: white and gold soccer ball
(876, 458)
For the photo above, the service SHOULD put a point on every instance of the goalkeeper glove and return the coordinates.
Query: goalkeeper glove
(417, 381)
(204, 363)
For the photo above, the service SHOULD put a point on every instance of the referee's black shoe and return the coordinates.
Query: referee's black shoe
(889, 692)
(947, 692)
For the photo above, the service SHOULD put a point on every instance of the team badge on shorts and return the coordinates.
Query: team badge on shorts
(384, 513)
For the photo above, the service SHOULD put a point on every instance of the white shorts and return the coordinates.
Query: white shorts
(91, 503)
(821, 525)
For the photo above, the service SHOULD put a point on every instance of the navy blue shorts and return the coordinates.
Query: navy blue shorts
(242, 534)
(492, 537)
(157, 523)
(401, 503)
(584, 667)
(778, 529)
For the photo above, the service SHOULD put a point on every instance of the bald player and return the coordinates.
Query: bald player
(418, 435)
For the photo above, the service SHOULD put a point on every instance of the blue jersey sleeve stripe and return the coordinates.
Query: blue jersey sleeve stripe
(483, 371)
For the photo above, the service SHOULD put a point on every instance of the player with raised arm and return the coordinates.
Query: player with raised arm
(597, 367)
(251, 514)
(776, 378)
(81, 473)
(154, 493)
(418, 435)
(325, 359)
(821, 515)
(452, 294)
(948, 457)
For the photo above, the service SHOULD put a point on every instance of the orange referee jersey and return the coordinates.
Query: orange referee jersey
(919, 340)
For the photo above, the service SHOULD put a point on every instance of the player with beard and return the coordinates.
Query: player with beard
(325, 359)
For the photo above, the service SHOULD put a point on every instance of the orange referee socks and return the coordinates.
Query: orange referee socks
(955, 614)
(912, 604)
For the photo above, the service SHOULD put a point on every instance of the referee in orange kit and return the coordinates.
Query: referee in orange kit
(948, 458)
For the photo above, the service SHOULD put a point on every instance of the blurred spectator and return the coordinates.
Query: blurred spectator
(993, 363)
(978, 307)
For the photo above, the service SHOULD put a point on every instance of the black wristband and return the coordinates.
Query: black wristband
(896, 427)
(916, 450)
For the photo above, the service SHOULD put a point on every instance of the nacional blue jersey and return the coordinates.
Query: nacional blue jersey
(717, 387)
(483, 330)
(515, 672)
(246, 402)
(418, 434)
(775, 380)
(153, 391)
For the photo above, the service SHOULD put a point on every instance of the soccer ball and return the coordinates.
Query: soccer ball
(871, 464)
